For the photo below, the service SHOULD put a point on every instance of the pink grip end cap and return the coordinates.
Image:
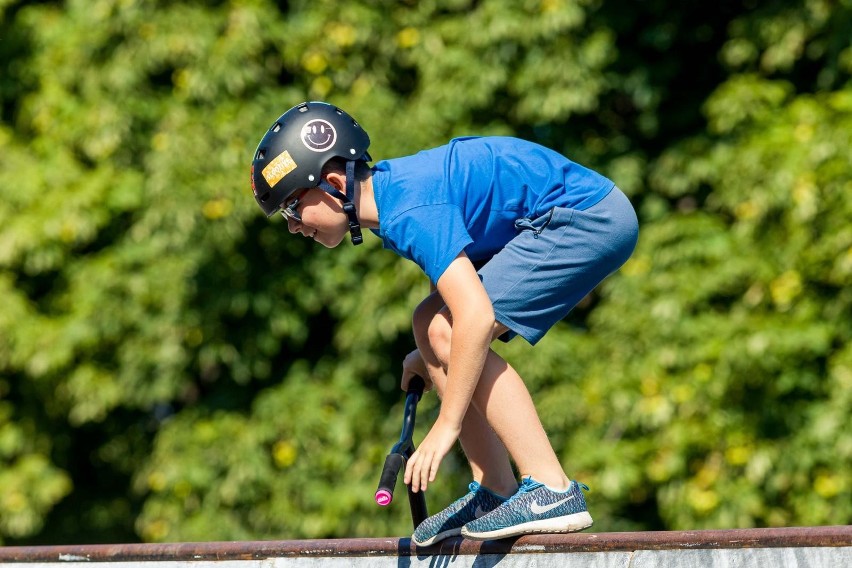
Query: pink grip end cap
(383, 497)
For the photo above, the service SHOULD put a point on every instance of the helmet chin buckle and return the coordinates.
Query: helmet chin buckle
(354, 225)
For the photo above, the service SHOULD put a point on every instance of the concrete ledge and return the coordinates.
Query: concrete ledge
(777, 547)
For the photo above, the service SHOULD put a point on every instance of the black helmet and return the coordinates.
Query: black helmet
(294, 150)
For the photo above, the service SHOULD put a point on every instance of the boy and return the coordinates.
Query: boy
(511, 235)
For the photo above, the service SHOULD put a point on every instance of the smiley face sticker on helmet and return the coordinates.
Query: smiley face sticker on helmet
(318, 135)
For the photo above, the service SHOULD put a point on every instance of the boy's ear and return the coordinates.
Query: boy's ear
(337, 180)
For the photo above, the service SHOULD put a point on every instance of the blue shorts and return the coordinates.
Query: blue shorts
(555, 260)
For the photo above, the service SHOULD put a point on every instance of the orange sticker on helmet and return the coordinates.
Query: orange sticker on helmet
(275, 170)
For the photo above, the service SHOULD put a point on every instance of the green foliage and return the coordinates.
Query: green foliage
(173, 366)
(31, 484)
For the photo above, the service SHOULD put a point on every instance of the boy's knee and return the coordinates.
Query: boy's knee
(440, 334)
(422, 317)
(420, 327)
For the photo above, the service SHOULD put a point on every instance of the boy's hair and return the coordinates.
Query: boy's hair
(338, 166)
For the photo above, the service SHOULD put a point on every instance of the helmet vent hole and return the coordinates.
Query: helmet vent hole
(264, 197)
(261, 153)
(276, 127)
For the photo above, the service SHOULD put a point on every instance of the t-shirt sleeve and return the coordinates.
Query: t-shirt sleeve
(430, 235)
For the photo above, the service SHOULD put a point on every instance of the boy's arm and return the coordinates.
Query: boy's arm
(472, 326)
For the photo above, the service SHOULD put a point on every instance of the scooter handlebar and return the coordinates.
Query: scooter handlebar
(399, 454)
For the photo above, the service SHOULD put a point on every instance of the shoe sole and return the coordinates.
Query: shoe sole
(565, 524)
(438, 537)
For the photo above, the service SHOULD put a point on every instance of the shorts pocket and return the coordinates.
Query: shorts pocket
(536, 225)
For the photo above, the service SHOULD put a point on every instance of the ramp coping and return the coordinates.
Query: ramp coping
(787, 537)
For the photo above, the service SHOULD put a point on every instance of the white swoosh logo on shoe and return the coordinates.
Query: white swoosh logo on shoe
(541, 509)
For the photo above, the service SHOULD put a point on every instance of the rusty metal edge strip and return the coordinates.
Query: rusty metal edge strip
(789, 537)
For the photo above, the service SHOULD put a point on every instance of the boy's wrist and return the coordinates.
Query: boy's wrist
(446, 420)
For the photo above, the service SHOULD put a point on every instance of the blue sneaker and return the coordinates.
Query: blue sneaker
(450, 521)
(535, 508)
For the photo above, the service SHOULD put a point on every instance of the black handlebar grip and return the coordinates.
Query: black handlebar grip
(416, 386)
(387, 483)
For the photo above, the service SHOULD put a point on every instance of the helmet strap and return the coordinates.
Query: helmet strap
(348, 205)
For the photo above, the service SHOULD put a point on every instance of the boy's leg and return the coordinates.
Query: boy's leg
(547, 500)
(488, 458)
(502, 399)
(489, 461)
(502, 415)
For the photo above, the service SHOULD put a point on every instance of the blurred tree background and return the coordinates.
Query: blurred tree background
(174, 366)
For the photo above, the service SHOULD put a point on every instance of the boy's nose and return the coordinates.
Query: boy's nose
(293, 226)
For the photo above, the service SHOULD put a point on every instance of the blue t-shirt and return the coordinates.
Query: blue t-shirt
(466, 195)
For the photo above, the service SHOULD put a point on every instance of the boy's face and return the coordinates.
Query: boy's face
(317, 215)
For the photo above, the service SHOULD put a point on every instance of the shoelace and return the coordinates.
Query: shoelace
(528, 484)
(472, 488)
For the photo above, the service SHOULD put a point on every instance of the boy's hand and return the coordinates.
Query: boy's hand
(422, 466)
(414, 365)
